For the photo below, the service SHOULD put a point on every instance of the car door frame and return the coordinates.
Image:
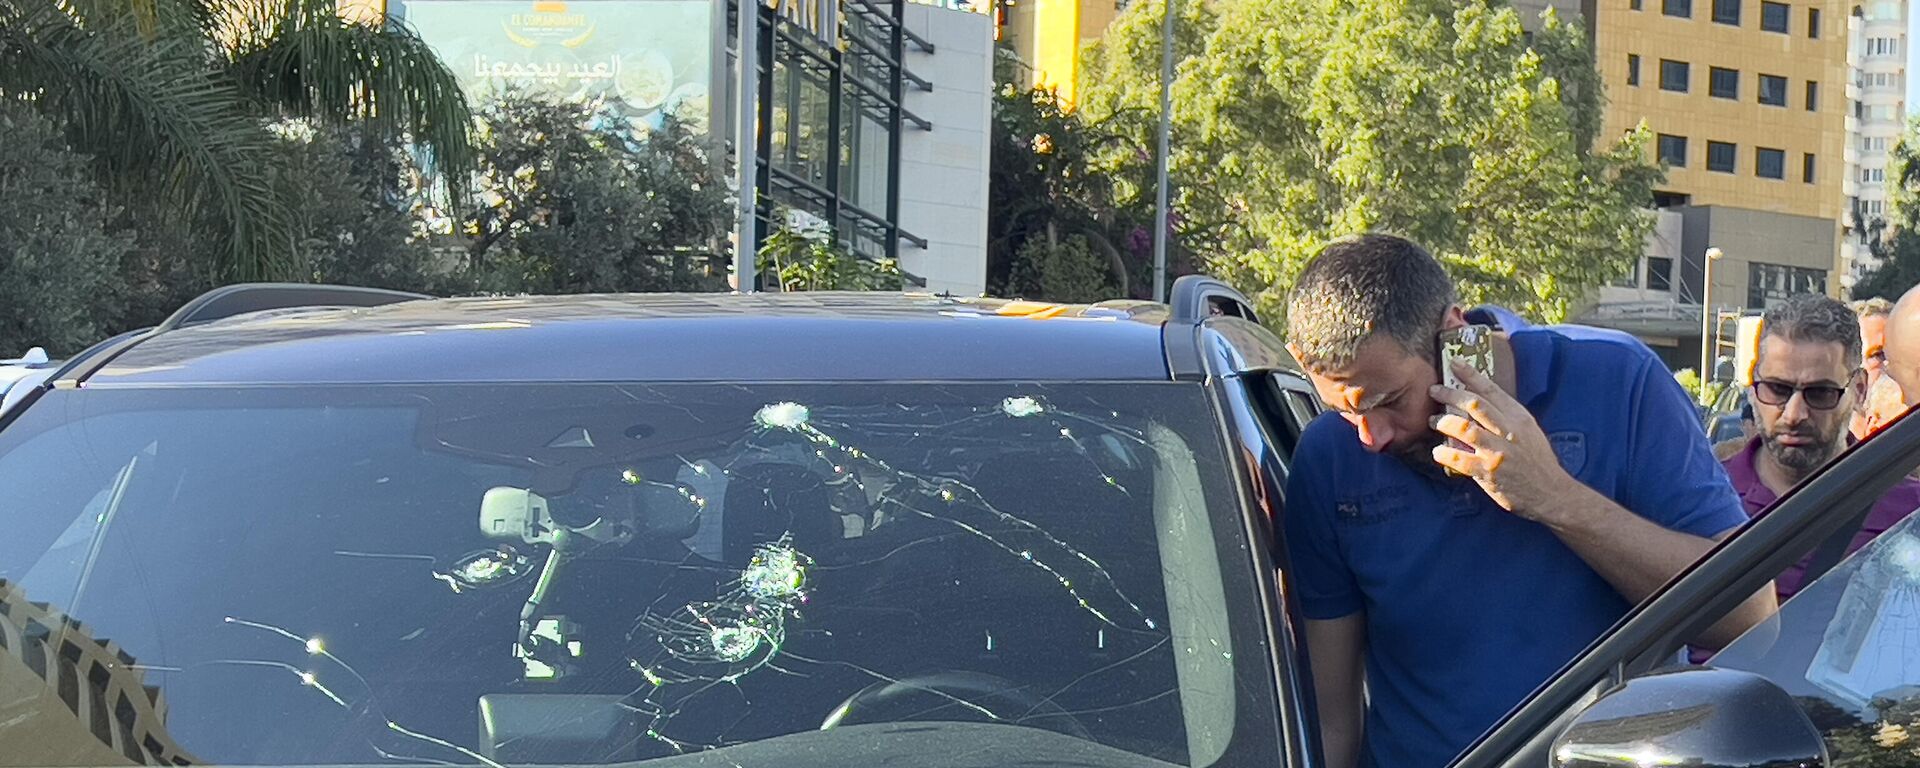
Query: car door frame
(1253, 377)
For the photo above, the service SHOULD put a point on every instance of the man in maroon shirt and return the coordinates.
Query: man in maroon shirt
(1807, 384)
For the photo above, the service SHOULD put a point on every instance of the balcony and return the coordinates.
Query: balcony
(1851, 156)
(1849, 186)
(1852, 124)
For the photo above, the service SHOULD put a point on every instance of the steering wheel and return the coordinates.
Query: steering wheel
(949, 695)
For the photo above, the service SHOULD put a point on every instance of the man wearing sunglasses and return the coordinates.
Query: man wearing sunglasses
(1808, 384)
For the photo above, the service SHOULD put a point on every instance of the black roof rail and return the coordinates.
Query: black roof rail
(227, 301)
(1197, 297)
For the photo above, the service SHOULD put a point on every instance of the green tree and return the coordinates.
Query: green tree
(1045, 189)
(58, 255)
(803, 255)
(171, 99)
(573, 200)
(1896, 239)
(352, 225)
(1299, 120)
(1067, 272)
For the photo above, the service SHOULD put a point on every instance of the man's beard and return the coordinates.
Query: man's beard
(1418, 455)
(1802, 460)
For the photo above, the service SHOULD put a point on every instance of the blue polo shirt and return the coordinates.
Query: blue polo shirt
(1468, 607)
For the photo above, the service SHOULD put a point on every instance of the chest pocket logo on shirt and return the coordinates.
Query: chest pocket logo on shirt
(1370, 509)
(1571, 449)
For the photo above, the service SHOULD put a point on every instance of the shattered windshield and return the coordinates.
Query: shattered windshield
(590, 574)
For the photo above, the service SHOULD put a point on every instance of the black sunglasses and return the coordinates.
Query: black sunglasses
(1777, 393)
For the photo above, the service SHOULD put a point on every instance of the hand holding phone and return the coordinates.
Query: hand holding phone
(1470, 344)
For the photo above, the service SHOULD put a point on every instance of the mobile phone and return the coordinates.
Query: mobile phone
(1472, 344)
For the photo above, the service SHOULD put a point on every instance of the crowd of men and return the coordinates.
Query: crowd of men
(1431, 526)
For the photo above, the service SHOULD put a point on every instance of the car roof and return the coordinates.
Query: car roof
(814, 336)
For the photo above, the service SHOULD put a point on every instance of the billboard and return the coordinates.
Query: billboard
(644, 58)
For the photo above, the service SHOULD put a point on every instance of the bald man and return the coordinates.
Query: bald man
(1903, 346)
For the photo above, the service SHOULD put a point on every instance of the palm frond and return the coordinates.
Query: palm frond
(155, 118)
(305, 57)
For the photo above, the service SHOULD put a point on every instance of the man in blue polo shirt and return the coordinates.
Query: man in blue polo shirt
(1584, 483)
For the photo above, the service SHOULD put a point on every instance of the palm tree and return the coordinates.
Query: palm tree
(172, 99)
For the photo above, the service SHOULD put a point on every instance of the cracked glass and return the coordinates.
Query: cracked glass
(845, 574)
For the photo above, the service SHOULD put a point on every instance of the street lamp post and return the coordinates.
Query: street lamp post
(1709, 335)
(746, 146)
(1160, 219)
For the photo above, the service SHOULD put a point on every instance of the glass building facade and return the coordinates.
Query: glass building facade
(832, 82)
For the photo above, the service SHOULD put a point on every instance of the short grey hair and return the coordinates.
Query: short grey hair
(1365, 285)
(1811, 317)
(1874, 307)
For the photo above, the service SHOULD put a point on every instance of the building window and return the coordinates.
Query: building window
(1773, 90)
(1674, 75)
(1770, 163)
(1659, 273)
(1769, 284)
(1673, 150)
(1813, 23)
(1680, 8)
(1806, 167)
(1723, 83)
(1632, 278)
(1882, 11)
(1726, 12)
(1633, 69)
(1813, 96)
(1774, 17)
(1720, 156)
(1636, 5)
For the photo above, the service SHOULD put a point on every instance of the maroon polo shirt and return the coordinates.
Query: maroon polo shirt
(1900, 500)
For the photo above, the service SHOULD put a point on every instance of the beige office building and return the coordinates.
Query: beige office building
(1748, 101)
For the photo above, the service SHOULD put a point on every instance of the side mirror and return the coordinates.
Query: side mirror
(1697, 716)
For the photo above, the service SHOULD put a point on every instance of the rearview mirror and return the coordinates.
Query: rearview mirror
(1698, 716)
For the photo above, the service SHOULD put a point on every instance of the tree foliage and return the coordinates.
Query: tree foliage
(573, 200)
(58, 253)
(1895, 239)
(171, 100)
(1046, 189)
(1065, 271)
(803, 254)
(1299, 120)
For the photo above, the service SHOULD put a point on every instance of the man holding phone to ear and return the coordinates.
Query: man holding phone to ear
(1452, 547)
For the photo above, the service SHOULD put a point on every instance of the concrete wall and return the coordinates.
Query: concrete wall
(1749, 236)
(943, 172)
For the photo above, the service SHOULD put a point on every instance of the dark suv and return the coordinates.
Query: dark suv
(312, 525)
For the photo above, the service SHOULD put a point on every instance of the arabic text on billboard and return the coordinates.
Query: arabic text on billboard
(645, 58)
